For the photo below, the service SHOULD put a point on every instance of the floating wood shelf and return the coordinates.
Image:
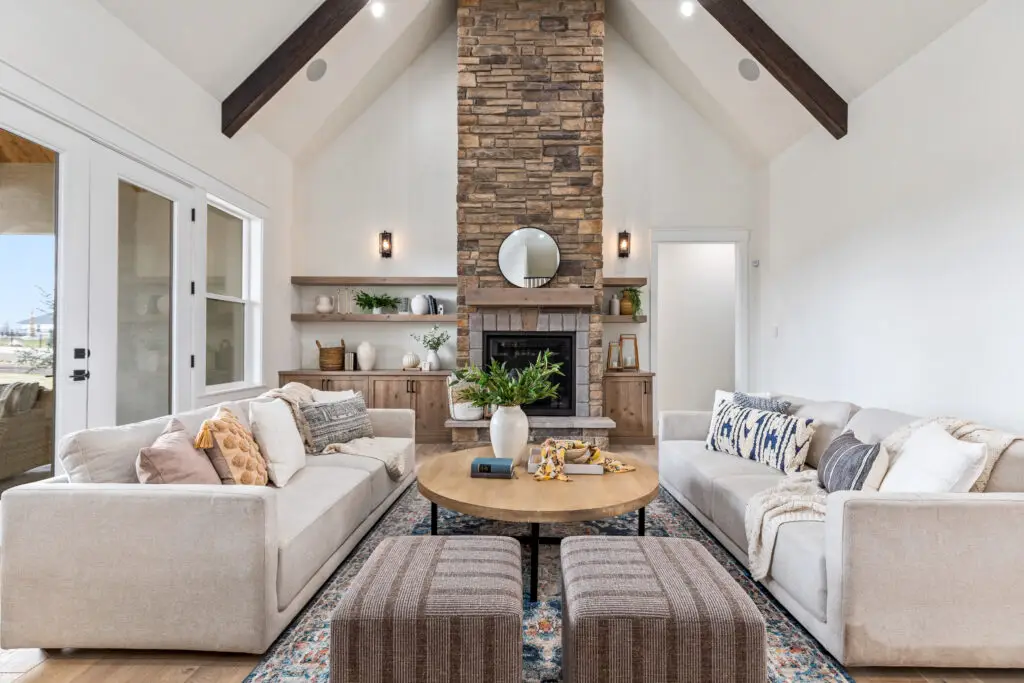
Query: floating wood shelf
(370, 318)
(624, 319)
(625, 282)
(509, 297)
(332, 281)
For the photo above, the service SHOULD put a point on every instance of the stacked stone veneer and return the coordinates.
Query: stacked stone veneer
(531, 113)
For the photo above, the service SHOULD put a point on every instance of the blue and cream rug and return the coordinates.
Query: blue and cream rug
(301, 653)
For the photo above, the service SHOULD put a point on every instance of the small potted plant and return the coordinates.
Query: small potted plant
(368, 301)
(432, 341)
(631, 304)
(510, 390)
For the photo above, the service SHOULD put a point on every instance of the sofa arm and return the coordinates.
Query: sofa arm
(926, 579)
(138, 566)
(396, 422)
(683, 425)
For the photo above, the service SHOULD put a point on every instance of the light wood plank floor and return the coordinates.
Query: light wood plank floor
(113, 666)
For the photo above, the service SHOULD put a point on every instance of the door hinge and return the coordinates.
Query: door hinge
(192, 362)
(193, 288)
(193, 215)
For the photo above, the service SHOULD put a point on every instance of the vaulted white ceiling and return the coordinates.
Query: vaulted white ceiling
(852, 44)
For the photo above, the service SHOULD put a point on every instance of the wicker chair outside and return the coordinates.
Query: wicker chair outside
(26, 439)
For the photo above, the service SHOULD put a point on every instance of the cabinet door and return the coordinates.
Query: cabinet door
(348, 384)
(314, 381)
(627, 400)
(392, 393)
(431, 409)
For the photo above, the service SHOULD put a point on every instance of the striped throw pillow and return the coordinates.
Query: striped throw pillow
(777, 440)
(338, 422)
(850, 465)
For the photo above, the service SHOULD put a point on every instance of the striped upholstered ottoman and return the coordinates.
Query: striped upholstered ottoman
(639, 609)
(432, 608)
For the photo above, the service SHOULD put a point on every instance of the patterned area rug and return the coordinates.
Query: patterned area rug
(301, 653)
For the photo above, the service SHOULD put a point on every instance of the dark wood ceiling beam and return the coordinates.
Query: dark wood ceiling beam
(287, 60)
(782, 62)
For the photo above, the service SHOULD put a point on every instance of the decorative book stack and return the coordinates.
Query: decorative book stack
(492, 468)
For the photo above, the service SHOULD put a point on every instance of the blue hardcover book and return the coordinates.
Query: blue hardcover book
(491, 468)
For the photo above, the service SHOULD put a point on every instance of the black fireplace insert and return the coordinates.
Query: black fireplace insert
(518, 349)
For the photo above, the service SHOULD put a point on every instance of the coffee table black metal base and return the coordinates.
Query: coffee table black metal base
(535, 540)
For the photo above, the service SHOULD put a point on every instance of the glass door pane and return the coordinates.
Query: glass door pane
(28, 276)
(145, 297)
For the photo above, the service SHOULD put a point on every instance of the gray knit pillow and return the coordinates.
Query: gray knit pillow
(849, 465)
(338, 422)
(774, 405)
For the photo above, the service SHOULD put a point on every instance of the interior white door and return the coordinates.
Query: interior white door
(140, 292)
(63, 274)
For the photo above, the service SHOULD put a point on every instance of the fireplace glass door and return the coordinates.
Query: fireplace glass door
(519, 349)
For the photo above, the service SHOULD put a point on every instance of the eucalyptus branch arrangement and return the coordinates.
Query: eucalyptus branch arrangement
(633, 294)
(499, 386)
(369, 301)
(434, 339)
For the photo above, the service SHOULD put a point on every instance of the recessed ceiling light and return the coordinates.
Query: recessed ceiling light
(688, 8)
(316, 70)
(377, 9)
(749, 69)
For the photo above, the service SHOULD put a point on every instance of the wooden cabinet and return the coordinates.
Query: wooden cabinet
(629, 400)
(426, 393)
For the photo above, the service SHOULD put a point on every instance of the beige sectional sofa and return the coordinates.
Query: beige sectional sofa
(887, 579)
(117, 564)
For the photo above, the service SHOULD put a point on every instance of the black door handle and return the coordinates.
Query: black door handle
(79, 375)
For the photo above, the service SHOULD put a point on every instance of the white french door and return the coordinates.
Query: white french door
(140, 298)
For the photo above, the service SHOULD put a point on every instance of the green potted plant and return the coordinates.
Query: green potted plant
(432, 341)
(368, 301)
(510, 390)
(631, 304)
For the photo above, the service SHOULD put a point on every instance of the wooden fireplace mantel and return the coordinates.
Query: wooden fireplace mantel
(508, 297)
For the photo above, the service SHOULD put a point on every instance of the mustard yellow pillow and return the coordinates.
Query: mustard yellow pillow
(232, 450)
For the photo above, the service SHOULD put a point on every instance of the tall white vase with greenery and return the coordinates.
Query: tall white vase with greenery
(510, 432)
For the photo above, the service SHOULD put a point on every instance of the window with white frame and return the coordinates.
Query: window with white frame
(232, 307)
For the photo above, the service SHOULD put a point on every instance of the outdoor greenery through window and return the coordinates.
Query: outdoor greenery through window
(227, 290)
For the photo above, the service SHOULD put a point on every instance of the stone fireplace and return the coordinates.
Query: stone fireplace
(530, 117)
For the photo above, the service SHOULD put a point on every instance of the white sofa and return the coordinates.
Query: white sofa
(887, 579)
(119, 564)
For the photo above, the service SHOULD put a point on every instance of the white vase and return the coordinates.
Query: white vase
(510, 431)
(613, 305)
(378, 310)
(419, 305)
(324, 304)
(433, 360)
(410, 361)
(367, 356)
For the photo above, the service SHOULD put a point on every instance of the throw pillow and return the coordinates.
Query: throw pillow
(338, 422)
(849, 465)
(173, 459)
(331, 396)
(232, 450)
(771, 404)
(278, 439)
(932, 461)
(780, 441)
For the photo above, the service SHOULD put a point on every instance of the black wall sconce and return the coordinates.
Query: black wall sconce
(384, 242)
(623, 244)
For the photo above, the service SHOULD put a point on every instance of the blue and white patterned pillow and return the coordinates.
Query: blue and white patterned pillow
(777, 440)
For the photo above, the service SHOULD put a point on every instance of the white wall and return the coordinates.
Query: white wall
(664, 167)
(81, 65)
(895, 254)
(393, 169)
(696, 324)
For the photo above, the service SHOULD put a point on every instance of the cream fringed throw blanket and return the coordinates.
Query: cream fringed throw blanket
(799, 497)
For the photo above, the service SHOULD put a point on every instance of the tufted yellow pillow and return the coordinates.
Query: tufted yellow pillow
(232, 450)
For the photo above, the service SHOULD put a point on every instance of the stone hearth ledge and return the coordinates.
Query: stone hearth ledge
(541, 422)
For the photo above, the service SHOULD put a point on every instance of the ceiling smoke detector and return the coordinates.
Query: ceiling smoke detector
(377, 9)
(749, 69)
(688, 8)
(316, 70)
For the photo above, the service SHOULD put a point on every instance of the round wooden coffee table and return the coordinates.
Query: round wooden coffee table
(444, 480)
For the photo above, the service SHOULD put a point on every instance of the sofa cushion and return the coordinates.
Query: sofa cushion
(798, 564)
(830, 419)
(689, 468)
(318, 509)
(381, 485)
(873, 425)
(729, 496)
(775, 439)
(232, 449)
(174, 459)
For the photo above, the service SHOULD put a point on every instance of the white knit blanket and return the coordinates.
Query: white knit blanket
(799, 497)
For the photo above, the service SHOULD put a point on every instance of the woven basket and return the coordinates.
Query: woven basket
(332, 357)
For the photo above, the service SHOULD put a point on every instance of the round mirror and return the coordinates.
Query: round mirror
(528, 258)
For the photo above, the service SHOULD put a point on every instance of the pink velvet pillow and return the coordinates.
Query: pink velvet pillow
(172, 459)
